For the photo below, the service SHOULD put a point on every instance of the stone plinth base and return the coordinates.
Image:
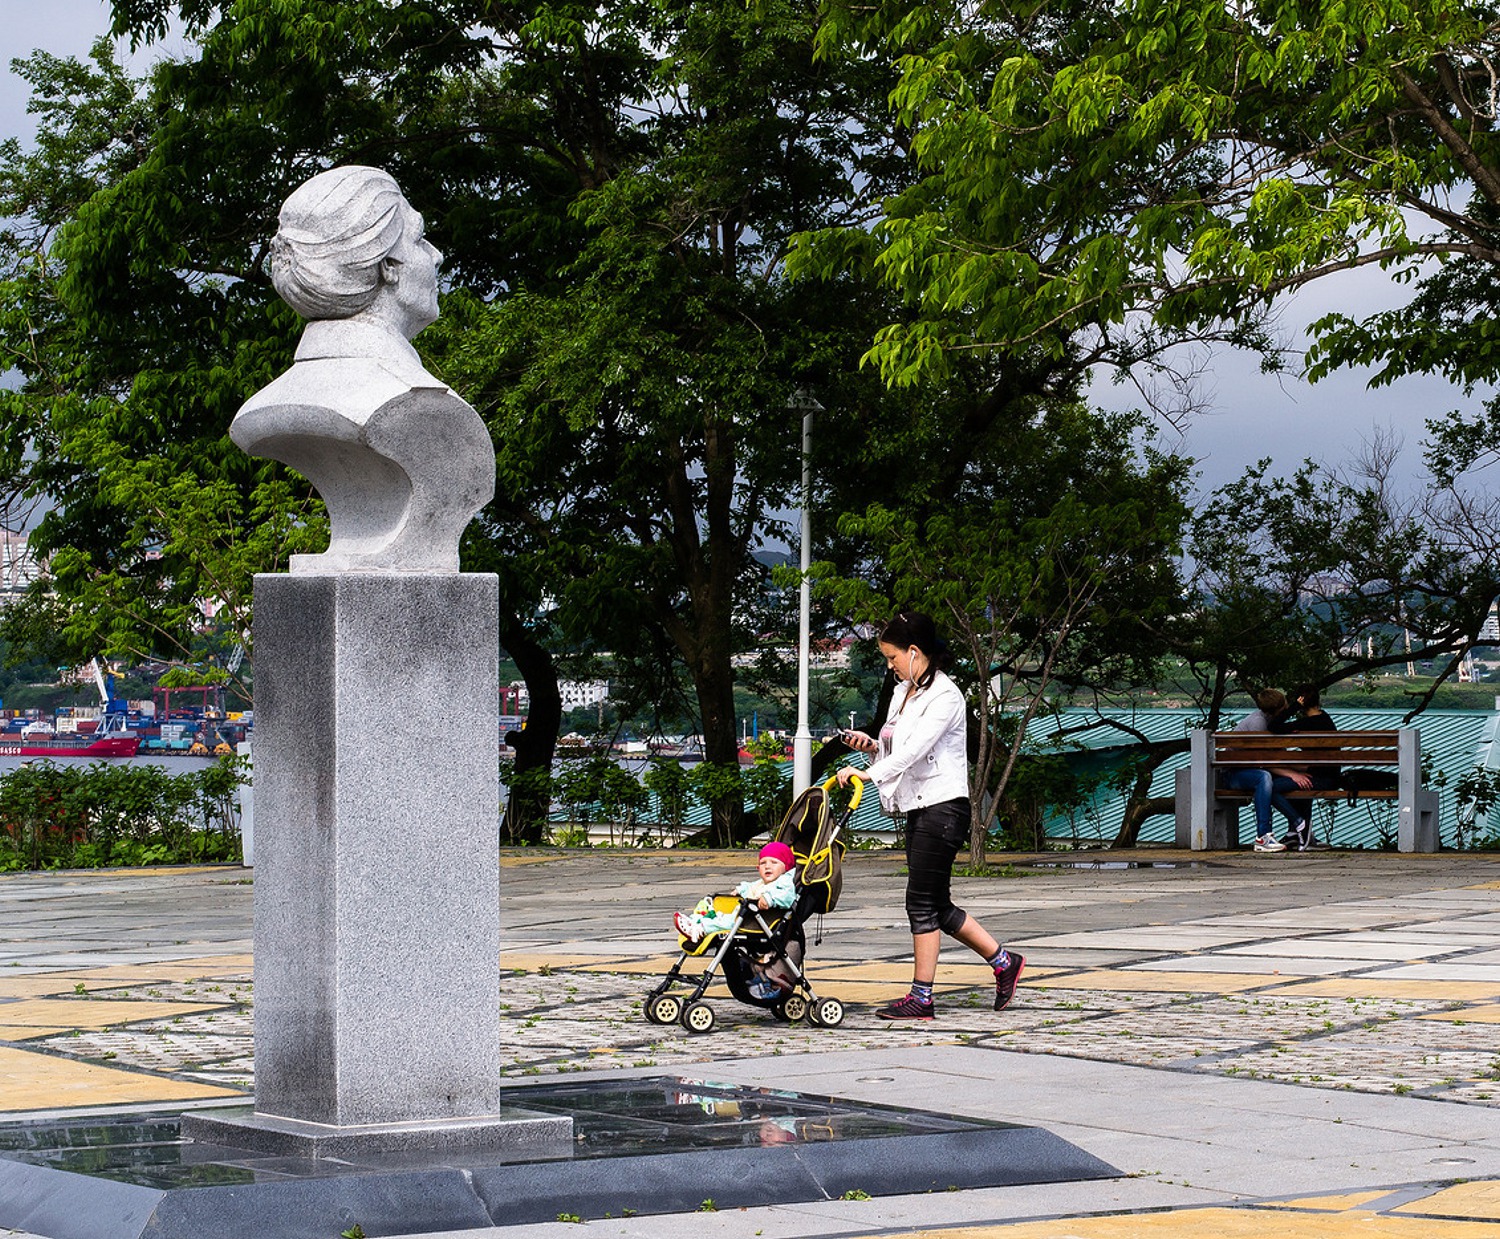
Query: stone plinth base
(377, 880)
(513, 1133)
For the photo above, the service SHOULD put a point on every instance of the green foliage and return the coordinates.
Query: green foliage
(530, 786)
(108, 814)
(1475, 793)
(669, 783)
(768, 789)
(716, 784)
(615, 189)
(1133, 170)
(597, 784)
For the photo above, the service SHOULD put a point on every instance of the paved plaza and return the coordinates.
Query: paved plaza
(1294, 1044)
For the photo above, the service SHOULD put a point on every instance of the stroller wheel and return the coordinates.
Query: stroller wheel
(791, 1008)
(663, 1009)
(826, 1013)
(698, 1017)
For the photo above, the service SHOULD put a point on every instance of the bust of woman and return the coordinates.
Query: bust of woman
(401, 461)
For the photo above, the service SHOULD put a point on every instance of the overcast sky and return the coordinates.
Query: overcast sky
(1248, 415)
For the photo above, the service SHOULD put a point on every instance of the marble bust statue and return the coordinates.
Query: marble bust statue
(401, 461)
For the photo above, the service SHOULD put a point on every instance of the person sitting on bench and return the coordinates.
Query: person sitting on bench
(1310, 716)
(1270, 708)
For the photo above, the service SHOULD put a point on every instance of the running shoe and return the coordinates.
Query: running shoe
(1267, 843)
(1006, 979)
(907, 1007)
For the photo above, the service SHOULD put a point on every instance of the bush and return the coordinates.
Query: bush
(86, 817)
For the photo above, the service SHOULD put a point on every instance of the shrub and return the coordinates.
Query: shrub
(107, 814)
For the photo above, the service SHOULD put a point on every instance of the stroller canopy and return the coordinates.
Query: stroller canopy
(809, 829)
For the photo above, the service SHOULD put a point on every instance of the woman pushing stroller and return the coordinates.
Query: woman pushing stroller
(921, 770)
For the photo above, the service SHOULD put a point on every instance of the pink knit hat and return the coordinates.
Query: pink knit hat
(780, 851)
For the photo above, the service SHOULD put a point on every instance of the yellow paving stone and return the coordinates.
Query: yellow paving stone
(1153, 982)
(1353, 1200)
(24, 1032)
(1222, 1223)
(210, 968)
(895, 973)
(659, 963)
(212, 961)
(1374, 987)
(1464, 1200)
(36, 986)
(160, 871)
(872, 991)
(31, 1081)
(530, 961)
(93, 1013)
(1466, 1015)
(694, 859)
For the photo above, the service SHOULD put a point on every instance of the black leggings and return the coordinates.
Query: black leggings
(933, 836)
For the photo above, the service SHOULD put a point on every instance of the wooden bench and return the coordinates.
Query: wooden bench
(1208, 816)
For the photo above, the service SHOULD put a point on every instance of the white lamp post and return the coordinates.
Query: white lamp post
(802, 741)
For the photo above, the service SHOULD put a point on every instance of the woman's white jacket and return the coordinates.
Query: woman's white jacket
(928, 761)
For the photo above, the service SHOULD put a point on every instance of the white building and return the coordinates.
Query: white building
(1490, 629)
(18, 569)
(574, 693)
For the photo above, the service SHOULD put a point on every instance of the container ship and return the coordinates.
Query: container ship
(99, 744)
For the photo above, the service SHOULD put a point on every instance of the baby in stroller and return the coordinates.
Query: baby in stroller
(776, 887)
(754, 938)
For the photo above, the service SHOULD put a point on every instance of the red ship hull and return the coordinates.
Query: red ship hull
(71, 746)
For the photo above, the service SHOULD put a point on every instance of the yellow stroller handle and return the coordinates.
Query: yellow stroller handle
(859, 789)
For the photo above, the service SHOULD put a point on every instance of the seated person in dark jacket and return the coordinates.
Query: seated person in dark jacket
(1310, 716)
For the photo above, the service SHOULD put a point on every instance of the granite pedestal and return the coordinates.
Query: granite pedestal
(377, 920)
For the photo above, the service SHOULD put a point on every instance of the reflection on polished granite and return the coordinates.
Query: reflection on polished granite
(643, 1146)
(611, 1119)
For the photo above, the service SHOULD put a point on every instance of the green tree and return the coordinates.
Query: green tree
(1321, 578)
(615, 188)
(1139, 171)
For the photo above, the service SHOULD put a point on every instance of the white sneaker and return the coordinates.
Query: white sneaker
(1266, 843)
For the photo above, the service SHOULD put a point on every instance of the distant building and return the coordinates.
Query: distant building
(1490, 629)
(574, 693)
(18, 568)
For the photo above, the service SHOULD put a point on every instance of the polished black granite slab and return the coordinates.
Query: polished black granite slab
(658, 1145)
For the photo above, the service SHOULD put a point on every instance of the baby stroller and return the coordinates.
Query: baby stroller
(761, 952)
